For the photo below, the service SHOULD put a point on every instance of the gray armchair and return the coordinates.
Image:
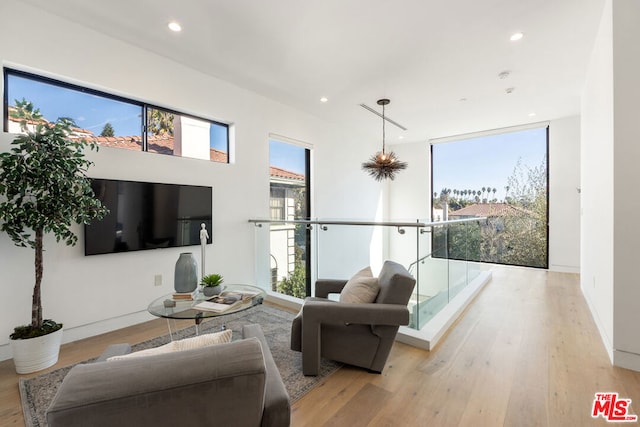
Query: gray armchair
(353, 333)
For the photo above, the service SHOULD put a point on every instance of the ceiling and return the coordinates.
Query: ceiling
(438, 61)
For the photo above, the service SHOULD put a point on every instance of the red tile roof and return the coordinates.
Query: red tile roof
(487, 210)
(162, 144)
(218, 156)
(283, 173)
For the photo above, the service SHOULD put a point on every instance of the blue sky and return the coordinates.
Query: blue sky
(89, 111)
(486, 161)
(287, 156)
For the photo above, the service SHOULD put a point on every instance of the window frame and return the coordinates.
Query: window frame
(500, 131)
(7, 71)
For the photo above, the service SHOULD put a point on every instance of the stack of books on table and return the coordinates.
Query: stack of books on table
(225, 301)
(183, 296)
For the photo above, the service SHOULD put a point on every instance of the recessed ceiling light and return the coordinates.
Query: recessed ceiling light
(516, 36)
(532, 114)
(324, 99)
(401, 137)
(174, 26)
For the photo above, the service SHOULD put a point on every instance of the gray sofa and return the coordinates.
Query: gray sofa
(234, 384)
(358, 334)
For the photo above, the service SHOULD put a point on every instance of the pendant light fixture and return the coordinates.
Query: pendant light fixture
(383, 165)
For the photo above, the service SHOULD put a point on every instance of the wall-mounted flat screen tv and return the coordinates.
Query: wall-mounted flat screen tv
(145, 215)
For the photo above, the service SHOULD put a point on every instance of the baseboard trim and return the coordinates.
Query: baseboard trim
(564, 268)
(596, 319)
(624, 359)
(292, 303)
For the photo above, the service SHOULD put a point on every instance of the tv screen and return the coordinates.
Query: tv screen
(145, 215)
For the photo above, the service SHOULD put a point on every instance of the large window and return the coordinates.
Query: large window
(502, 177)
(289, 200)
(110, 120)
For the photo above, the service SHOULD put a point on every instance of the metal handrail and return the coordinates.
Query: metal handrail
(409, 268)
(417, 224)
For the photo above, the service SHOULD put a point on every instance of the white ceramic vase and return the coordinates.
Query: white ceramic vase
(36, 354)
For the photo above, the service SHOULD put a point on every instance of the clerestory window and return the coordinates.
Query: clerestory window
(111, 120)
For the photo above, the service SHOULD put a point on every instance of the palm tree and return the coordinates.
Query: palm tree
(25, 110)
(159, 122)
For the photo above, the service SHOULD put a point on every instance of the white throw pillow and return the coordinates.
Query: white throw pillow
(361, 288)
(184, 344)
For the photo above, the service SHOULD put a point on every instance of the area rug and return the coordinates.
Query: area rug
(36, 393)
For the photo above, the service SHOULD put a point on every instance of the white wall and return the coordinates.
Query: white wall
(98, 293)
(610, 153)
(409, 200)
(410, 192)
(596, 276)
(564, 198)
(626, 175)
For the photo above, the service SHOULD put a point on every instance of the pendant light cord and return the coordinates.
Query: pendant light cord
(383, 133)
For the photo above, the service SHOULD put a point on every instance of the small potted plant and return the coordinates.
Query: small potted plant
(211, 284)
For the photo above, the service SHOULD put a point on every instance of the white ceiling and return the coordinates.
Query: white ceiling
(425, 55)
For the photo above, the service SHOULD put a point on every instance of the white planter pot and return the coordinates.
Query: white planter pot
(36, 354)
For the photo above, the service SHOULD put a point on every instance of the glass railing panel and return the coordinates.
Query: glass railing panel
(264, 263)
(457, 277)
(411, 247)
(342, 250)
(433, 290)
(458, 254)
(475, 247)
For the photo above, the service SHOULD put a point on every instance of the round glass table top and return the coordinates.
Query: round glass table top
(232, 299)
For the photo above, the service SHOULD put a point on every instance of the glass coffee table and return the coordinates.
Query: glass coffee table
(169, 308)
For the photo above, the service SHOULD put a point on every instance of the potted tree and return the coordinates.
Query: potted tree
(211, 284)
(46, 190)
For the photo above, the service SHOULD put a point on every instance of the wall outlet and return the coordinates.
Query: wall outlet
(157, 281)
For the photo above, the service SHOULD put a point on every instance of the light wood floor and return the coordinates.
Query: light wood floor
(526, 353)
